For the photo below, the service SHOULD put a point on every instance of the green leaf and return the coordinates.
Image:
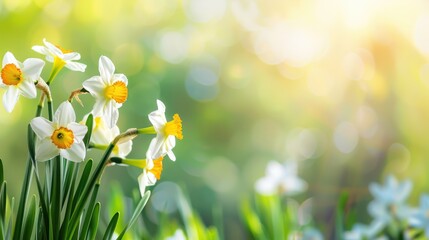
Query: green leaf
(23, 200)
(95, 216)
(252, 221)
(3, 201)
(89, 213)
(69, 209)
(10, 222)
(31, 144)
(339, 215)
(111, 227)
(89, 123)
(1, 171)
(83, 180)
(69, 175)
(30, 219)
(136, 213)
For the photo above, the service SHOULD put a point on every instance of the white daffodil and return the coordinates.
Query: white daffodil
(18, 78)
(109, 90)
(149, 175)
(166, 134)
(390, 200)
(62, 137)
(102, 136)
(60, 57)
(281, 178)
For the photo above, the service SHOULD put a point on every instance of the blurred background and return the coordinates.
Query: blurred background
(340, 86)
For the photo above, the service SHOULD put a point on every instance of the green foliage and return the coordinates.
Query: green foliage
(272, 217)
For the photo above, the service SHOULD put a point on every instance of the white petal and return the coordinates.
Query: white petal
(110, 114)
(79, 130)
(46, 150)
(161, 106)
(98, 108)
(28, 89)
(125, 148)
(120, 77)
(42, 127)
(95, 86)
(33, 68)
(158, 121)
(151, 179)
(10, 98)
(53, 49)
(171, 155)
(75, 66)
(9, 58)
(106, 68)
(40, 49)
(155, 148)
(142, 179)
(71, 56)
(65, 114)
(76, 153)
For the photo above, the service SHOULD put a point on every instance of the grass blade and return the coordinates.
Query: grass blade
(30, 219)
(111, 227)
(136, 214)
(89, 123)
(95, 216)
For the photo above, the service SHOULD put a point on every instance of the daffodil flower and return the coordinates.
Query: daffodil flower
(63, 136)
(149, 176)
(102, 136)
(167, 132)
(60, 57)
(109, 90)
(19, 78)
(281, 178)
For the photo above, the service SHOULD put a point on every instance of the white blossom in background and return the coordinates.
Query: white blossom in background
(390, 200)
(281, 178)
(361, 231)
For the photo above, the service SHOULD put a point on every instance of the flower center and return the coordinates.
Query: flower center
(174, 127)
(157, 168)
(11, 74)
(62, 138)
(117, 91)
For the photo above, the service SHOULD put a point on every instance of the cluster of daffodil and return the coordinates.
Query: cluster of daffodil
(67, 195)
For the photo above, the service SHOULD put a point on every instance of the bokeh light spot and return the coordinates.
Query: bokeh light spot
(346, 137)
(205, 10)
(164, 197)
(173, 47)
(221, 175)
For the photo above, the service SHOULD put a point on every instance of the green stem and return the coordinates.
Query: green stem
(147, 130)
(74, 220)
(56, 68)
(25, 190)
(56, 196)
